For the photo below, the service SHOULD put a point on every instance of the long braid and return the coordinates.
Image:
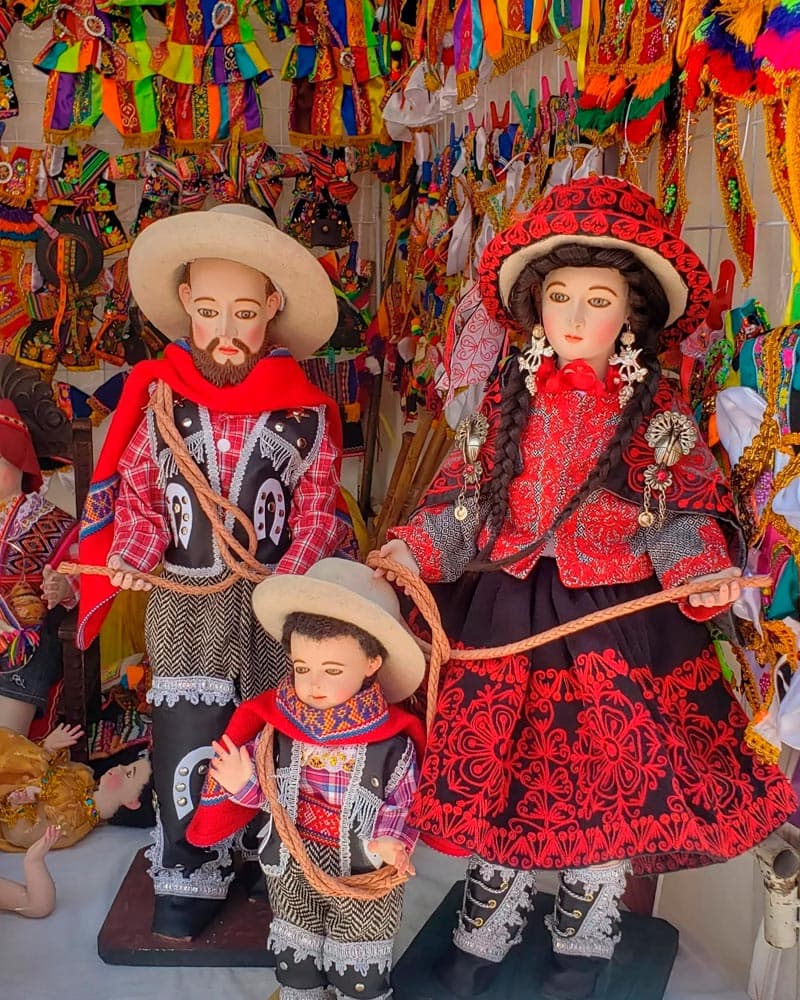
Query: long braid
(648, 312)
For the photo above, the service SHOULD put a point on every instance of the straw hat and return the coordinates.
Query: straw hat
(347, 590)
(601, 212)
(243, 234)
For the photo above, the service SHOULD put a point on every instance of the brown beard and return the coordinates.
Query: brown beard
(226, 374)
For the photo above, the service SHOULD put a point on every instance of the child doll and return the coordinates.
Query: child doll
(41, 787)
(580, 484)
(346, 765)
(33, 534)
(36, 897)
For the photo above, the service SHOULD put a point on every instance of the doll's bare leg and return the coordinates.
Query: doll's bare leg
(493, 915)
(37, 897)
(16, 715)
(585, 928)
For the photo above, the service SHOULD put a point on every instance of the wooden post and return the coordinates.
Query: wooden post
(438, 445)
(381, 521)
(370, 440)
(406, 475)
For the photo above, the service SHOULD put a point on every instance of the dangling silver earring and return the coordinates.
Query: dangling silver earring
(531, 358)
(630, 371)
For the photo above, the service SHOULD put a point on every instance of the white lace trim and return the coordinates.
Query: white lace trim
(358, 956)
(206, 882)
(598, 933)
(194, 689)
(400, 768)
(304, 944)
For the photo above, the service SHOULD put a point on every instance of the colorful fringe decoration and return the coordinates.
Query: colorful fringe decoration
(736, 200)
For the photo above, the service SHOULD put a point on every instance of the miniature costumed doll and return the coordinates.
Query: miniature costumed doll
(41, 787)
(33, 534)
(611, 748)
(346, 771)
(243, 422)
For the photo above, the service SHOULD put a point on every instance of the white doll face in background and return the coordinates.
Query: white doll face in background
(327, 672)
(583, 311)
(229, 308)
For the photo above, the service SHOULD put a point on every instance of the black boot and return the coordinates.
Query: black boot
(573, 977)
(190, 883)
(493, 914)
(358, 968)
(463, 974)
(585, 929)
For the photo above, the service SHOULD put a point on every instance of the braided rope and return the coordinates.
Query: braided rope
(371, 885)
(440, 651)
(246, 566)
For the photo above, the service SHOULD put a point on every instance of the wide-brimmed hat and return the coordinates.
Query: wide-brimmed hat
(347, 590)
(81, 254)
(243, 234)
(16, 446)
(602, 212)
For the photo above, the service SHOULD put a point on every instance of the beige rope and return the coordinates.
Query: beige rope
(440, 648)
(245, 567)
(371, 885)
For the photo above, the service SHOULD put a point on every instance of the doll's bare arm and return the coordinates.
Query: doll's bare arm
(37, 897)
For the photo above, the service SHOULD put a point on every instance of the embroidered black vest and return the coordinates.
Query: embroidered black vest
(382, 758)
(278, 450)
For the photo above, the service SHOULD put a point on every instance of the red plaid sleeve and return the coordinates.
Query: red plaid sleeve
(316, 530)
(141, 527)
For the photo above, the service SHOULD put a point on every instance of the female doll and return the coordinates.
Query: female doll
(582, 483)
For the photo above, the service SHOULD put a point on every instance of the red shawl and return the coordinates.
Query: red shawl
(276, 383)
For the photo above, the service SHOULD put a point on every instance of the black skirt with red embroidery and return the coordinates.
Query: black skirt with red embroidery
(622, 741)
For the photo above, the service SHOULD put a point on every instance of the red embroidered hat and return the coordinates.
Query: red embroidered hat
(606, 212)
(16, 446)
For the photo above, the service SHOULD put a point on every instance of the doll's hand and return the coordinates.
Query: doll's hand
(724, 589)
(125, 578)
(23, 796)
(232, 766)
(62, 737)
(392, 852)
(55, 587)
(40, 847)
(397, 550)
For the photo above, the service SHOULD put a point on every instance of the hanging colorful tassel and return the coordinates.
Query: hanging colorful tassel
(736, 200)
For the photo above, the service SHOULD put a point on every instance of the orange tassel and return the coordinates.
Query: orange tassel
(743, 19)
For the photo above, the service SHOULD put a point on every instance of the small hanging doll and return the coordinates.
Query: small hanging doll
(98, 62)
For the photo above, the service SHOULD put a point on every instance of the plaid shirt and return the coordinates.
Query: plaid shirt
(141, 519)
(331, 784)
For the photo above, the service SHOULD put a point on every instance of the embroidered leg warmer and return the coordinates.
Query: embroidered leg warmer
(298, 960)
(190, 882)
(359, 968)
(586, 916)
(494, 912)
(585, 929)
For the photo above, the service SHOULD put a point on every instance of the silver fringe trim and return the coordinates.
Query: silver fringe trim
(206, 882)
(346, 996)
(304, 944)
(364, 815)
(357, 955)
(168, 467)
(315, 993)
(503, 928)
(401, 767)
(285, 459)
(597, 936)
(194, 689)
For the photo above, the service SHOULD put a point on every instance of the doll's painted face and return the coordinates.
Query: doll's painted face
(10, 480)
(327, 672)
(583, 311)
(229, 305)
(123, 786)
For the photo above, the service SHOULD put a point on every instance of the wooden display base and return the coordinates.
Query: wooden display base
(639, 970)
(236, 937)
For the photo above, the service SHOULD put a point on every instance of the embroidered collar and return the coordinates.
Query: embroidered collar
(365, 711)
(576, 375)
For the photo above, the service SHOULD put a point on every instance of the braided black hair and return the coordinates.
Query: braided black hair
(648, 310)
